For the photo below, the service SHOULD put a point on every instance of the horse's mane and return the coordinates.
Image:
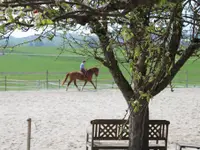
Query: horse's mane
(93, 68)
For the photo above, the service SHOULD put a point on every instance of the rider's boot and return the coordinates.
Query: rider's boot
(85, 75)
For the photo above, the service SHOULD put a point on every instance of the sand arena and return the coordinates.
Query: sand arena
(60, 119)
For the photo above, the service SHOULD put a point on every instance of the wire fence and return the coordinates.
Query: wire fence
(53, 80)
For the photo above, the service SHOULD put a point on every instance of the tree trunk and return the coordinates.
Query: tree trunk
(138, 130)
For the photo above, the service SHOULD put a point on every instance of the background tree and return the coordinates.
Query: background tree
(147, 33)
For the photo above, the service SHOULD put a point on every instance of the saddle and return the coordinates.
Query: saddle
(85, 74)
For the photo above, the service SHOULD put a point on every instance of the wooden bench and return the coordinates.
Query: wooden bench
(114, 134)
(183, 145)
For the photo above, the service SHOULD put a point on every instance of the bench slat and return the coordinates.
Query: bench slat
(184, 145)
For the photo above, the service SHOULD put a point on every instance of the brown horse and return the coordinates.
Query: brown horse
(80, 76)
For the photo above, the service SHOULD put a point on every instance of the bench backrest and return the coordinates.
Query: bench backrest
(115, 129)
(105, 129)
(158, 129)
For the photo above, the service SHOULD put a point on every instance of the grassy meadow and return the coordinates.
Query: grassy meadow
(36, 61)
(43, 59)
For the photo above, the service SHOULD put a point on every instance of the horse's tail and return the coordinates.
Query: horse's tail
(65, 79)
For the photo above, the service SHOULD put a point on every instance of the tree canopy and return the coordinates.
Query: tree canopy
(155, 38)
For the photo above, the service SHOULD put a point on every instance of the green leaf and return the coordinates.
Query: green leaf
(2, 28)
(67, 6)
(46, 22)
(18, 27)
(162, 2)
(126, 34)
(136, 105)
(50, 37)
(137, 52)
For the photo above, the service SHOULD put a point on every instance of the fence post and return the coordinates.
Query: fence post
(47, 75)
(29, 134)
(113, 84)
(39, 84)
(5, 83)
(96, 82)
(59, 83)
(186, 79)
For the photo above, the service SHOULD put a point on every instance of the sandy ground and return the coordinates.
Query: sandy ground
(60, 119)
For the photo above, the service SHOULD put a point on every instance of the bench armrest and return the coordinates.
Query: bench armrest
(89, 134)
(88, 137)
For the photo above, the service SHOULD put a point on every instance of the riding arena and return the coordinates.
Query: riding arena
(60, 119)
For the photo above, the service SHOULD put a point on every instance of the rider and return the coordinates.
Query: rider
(82, 68)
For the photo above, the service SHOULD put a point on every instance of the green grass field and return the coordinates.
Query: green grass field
(36, 61)
(43, 59)
(189, 73)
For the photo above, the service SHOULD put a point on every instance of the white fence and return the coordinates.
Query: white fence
(10, 83)
(53, 80)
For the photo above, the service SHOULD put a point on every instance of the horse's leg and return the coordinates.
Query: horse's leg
(84, 85)
(76, 85)
(93, 84)
(68, 84)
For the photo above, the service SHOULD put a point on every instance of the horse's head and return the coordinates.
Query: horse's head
(95, 71)
(92, 71)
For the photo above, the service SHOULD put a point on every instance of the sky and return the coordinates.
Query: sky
(19, 33)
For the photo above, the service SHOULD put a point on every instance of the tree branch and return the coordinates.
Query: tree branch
(185, 56)
(120, 80)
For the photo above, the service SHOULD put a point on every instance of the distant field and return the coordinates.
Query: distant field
(43, 59)
(39, 50)
(189, 73)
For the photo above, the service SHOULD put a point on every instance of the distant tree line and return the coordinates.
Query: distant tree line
(37, 43)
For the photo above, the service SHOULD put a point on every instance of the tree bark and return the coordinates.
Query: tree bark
(138, 130)
(138, 122)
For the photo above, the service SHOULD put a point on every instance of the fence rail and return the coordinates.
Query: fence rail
(52, 80)
(44, 80)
